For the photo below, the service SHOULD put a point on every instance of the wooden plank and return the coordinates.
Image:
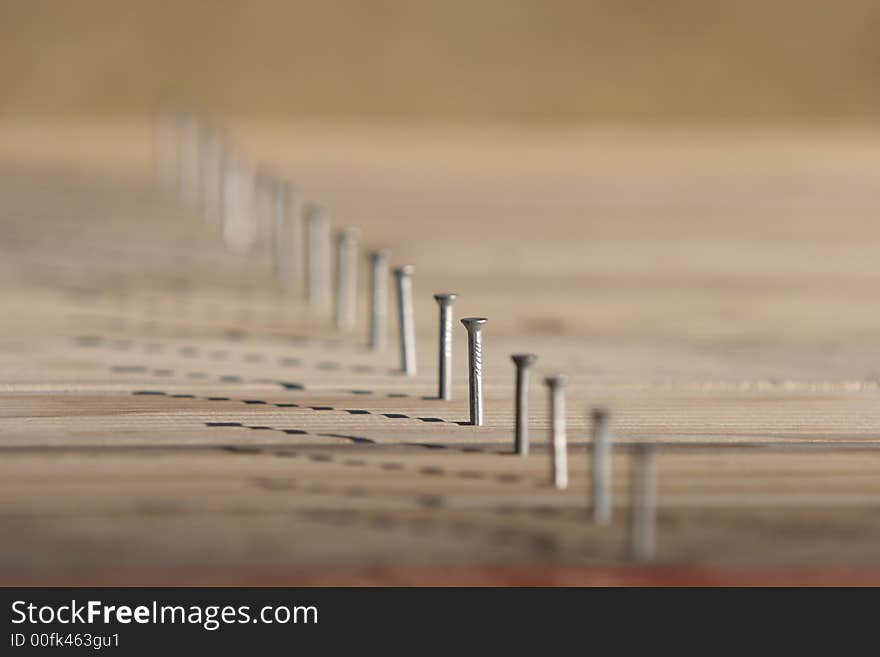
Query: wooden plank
(165, 406)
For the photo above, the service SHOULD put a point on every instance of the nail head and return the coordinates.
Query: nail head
(557, 380)
(473, 322)
(523, 360)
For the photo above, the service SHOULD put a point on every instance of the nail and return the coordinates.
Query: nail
(288, 234)
(644, 505)
(165, 146)
(188, 155)
(404, 276)
(237, 193)
(601, 467)
(445, 301)
(474, 326)
(346, 277)
(523, 364)
(559, 458)
(229, 197)
(265, 183)
(379, 299)
(318, 256)
(213, 150)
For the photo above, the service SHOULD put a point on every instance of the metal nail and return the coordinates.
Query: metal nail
(265, 184)
(644, 505)
(474, 326)
(404, 276)
(229, 197)
(558, 449)
(602, 507)
(165, 147)
(379, 299)
(213, 150)
(238, 187)
(318, 256)
(288, 233)
(346, 277)
(523, 364)
(444, 362)
(188, 156)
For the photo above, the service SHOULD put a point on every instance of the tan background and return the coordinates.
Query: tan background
(458, 59)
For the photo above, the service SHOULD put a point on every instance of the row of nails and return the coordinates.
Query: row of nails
(256, 209)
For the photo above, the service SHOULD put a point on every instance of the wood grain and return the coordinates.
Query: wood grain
(167, 408)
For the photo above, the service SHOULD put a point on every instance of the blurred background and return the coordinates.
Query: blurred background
(461, 60)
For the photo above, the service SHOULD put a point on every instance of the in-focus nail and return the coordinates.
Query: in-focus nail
(444, 362)
(474, 326)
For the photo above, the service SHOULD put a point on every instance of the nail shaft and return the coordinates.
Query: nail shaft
(188, 156)
(644, 505)
(559, 457)
(229, 198)
(444, 362)
(288, 234)
(318, 256)
(523, 364)
(237, 193)
(474, 326)
(213, 149)
(265, 184)
(403, 276)
(165, 147)
(602, 501)
(346, 278)
(378, 299)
